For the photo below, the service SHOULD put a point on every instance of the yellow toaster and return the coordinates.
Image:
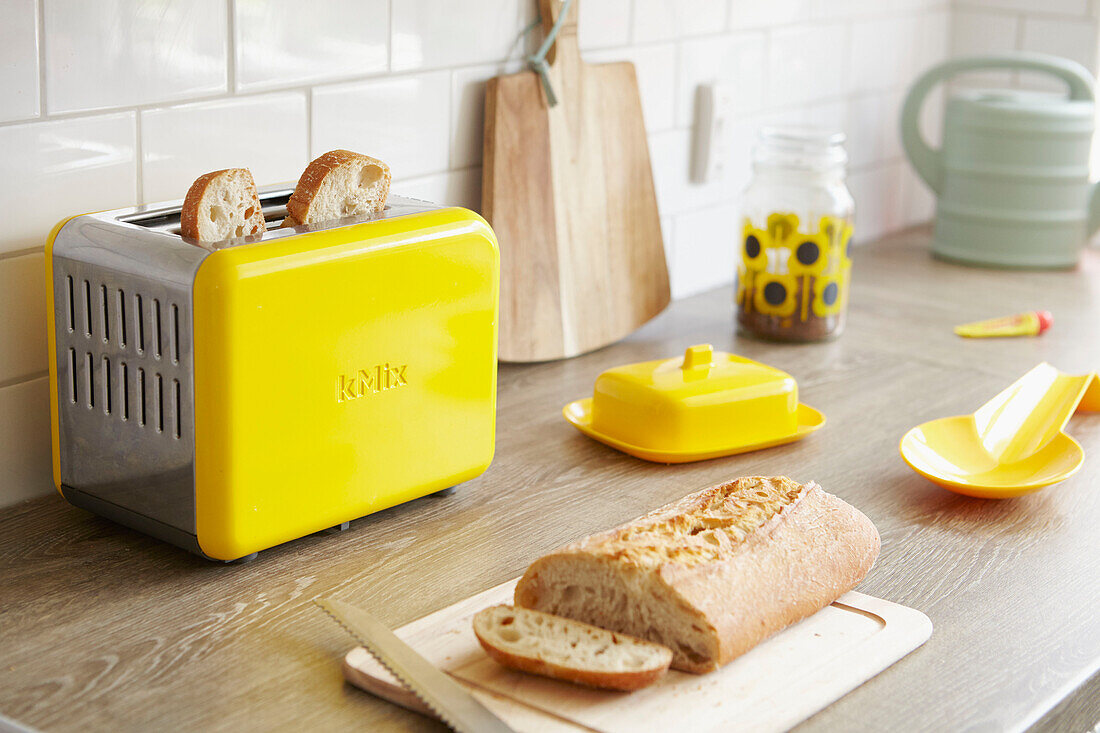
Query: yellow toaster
(228, 398)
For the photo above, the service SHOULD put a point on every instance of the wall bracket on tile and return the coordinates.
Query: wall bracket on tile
(713, 111)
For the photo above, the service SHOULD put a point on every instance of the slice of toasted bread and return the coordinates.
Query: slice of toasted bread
(340, 183)
(552, 646)
(222, 205)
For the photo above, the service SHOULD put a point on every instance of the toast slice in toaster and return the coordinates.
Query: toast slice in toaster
(340, 183)
(222, 205)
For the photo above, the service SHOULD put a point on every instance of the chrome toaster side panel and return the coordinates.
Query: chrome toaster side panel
(122, 315)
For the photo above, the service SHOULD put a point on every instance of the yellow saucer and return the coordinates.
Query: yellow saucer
(579, 413)
(946, 454)
(1012, 445)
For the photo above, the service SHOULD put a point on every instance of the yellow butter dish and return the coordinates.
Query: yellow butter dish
(703, 405)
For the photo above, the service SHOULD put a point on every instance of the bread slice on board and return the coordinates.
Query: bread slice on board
(340, 183)
(222, 205)
(714, 574)
(557, 647)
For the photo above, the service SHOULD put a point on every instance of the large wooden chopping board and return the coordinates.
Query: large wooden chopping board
(569, 192)
(775, 686)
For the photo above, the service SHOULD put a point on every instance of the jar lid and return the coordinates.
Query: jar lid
(702, 405)
(800, 146)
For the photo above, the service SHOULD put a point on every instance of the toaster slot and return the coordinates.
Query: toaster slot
(174, 336)
(141, 396)
(156, 327)
(177, 422)
(104, 317)
(87, 288)
(168, 219)
(107, 378)
(159, 404)
(89, 379)
(139, 323)
(124, 371)
(72, 376)
(121, 298)
(72, 304)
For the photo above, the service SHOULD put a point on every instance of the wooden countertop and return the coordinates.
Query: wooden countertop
(101, 627)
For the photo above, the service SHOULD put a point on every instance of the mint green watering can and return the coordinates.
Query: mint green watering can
(1012, 176)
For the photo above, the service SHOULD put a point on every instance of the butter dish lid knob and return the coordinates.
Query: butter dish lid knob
(699, 355)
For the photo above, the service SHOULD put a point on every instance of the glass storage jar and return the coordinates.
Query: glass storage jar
(792, 267)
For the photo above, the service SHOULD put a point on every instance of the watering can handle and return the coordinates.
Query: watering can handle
(927, 160)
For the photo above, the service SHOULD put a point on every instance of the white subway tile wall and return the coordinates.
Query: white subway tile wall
(117, 53)
(53, 169)
(19, 62)
(120, 102)
(264, 133)
(1066, 28)
(404, 120)
(282, 42)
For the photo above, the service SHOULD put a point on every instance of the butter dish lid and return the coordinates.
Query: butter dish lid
(702, 405)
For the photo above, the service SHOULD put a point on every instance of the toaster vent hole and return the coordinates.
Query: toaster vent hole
(178, 422)
(174, 326)
(156, 328)
(125, 391)
(87, 309)
(89, 379)
(160, 404)
(121, 298)
(106, 385)
(139, 318)
(72, 305)
(106, 316)
(141, 396)
(72, 376)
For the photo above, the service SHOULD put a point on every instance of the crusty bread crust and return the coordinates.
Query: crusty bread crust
(250, 215)
(731, 564)
(581, 671)
(303, 206)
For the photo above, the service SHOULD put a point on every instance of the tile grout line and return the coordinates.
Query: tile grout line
(309, 123)
(389, 39)
(231, 47)
(231, 93)
(16, 381)
(139, 160)
(21, 252)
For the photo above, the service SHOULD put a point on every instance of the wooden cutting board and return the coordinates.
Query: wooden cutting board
(775, 686)
(569, 192)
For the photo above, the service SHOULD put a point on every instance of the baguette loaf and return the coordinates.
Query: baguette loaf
(222, 205)
(339, 183)
(569, 650)
(714, 574)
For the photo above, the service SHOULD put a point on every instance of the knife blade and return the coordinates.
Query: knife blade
(454, 705)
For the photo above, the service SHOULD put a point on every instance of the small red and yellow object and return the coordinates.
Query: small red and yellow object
(1031, 323)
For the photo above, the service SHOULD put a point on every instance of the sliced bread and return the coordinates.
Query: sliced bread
(222, 205)
(340, 183)
(714, 574)
(557, 647)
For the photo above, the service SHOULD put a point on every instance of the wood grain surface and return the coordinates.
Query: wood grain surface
(103, 628)
(569, 192)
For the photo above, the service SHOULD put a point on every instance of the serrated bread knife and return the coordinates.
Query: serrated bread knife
(455, 706)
